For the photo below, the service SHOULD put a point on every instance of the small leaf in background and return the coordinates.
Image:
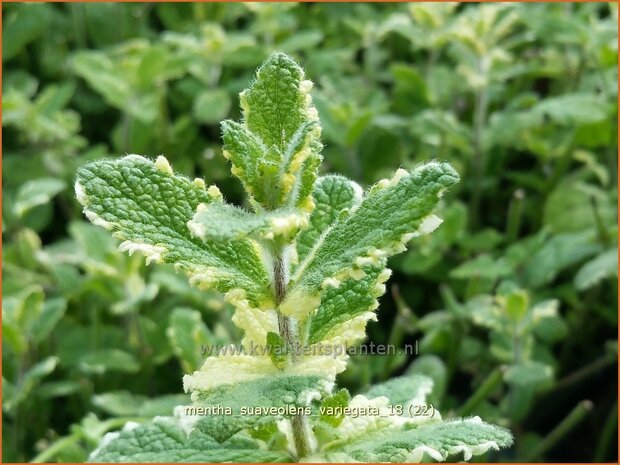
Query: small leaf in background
(533, 374)
(517, 304)
(36, 192)
(483, 266)
(556, 254)
(334, 403)
(30, 380)
(570, 208)
(601, 267)
(104, 360)
(21, 25)
(188, 337)
(124, 403)
(212, 106)
(53, 310)
(573, 109)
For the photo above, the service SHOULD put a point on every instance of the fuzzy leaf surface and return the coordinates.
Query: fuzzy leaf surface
(275, 150)
(403, 389)
(163, 440)
(350, 299)
(222, 222)
(437, 440)
(391, 213)
(277, 105)
(275, 392)
(331, 195)
(148, 208)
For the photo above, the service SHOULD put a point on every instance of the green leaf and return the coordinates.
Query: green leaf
(332, 195)
(341, 316)
(123, 403)
(432, 367)
(223, 222)
(334, 403)
(601, 267)
(570, 207)
(211, 106)
(572, 109)
(100, 73)
(187, 335)
(24, 309)
(277, 397)
(437, 440)
(36, 192)
(556, 254)
(391, 213)
(31, 380)
(163, 440)
(13, 336)
(101, 361)
(516, 305)
(275, 104)
(53, 310)
(483, 266)
(23, 24)
(275, 151)
(277, 348)
(402, 390)
(529, 374)
(148, 207)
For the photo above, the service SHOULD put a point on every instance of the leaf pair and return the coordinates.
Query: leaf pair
(275, 151)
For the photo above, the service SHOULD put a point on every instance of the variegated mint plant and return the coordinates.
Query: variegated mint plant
(303, 271)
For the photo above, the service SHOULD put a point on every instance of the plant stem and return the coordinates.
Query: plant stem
(573, 418)
(479, 161)
(55, 448)
(300, 435)
(600, 225)
(485, 389)
(611, 426)
(515, 214)
(280, 282)
(585, 372)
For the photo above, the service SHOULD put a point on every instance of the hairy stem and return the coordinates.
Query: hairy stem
(280, 282)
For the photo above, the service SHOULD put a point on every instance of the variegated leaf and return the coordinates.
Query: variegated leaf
(390, 214)
(147, 206)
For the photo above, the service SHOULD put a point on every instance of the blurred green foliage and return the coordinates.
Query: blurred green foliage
(513, 300)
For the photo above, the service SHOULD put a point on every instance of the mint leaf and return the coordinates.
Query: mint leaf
(402, 390)
(332, 194)
(36, 192)
(222, 222)
(163, 440)
(187, 334)
(345, 308)
(330, 411)
(147, 206)
(275, 151)
(254, 403)
(390, 214)
(437, 441)
(594, 271)
(274, 106)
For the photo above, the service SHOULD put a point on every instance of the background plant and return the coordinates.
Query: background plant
(521, 99)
